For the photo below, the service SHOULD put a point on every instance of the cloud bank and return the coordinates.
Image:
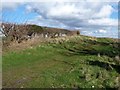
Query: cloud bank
(88, 16)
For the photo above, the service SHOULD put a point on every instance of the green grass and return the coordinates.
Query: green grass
(71, 64)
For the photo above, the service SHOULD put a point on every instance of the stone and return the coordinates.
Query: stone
(98, 54)
(117, 57)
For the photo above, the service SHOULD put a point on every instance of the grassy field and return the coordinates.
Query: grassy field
(79, 62)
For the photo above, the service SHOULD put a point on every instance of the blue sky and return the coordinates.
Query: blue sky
(18, 15)
(99, 19)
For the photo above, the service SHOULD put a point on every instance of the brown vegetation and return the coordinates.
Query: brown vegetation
(22, 32)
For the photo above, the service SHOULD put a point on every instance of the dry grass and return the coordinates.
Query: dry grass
(15, 46)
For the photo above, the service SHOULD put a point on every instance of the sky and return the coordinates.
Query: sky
(93, 18)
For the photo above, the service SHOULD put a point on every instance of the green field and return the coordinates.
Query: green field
(80, 62)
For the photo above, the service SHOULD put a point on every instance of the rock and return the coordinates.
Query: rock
(110, 44)
(117, 57)
(98, 54)
(21, 87)
(31, 47)
(117, 80)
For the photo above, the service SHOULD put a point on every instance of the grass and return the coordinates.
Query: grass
(68, 64)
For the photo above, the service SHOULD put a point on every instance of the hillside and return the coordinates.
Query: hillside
(69, 62)
(23, 32)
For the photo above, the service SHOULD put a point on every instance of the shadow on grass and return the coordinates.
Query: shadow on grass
(105, 65)
(110, 49)
(109, 53)
(90, 49)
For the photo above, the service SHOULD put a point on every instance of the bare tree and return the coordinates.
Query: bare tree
(6, 28)
(16, 32)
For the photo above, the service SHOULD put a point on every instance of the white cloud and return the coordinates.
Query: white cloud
(10, 5)
(78, 13)
(85, 14)
(105, 11)
(28, 8)
(59, 0)
(103, 22)
(102, 31)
